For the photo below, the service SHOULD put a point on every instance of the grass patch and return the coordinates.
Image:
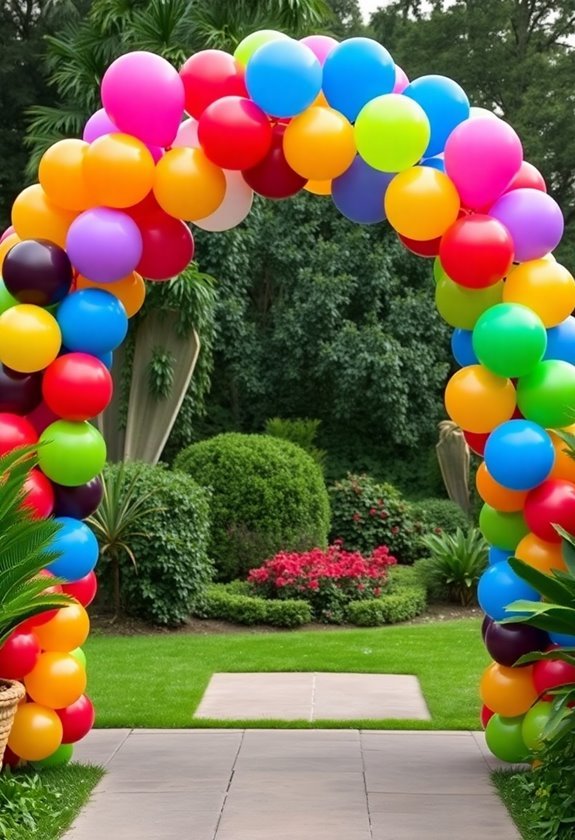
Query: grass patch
(158, 681)
(44, 805)
(517, 800)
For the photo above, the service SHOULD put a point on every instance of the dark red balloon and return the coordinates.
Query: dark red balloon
(77, 719)
(83, 590)
(528, 177)
(486, 715)
(42, 417)
(235, 133)
(39, 494)
(428, 248)
(78, 502)
(10, 759)
(477, 251)
(168, 244)
(209, 75)
(18, 655)
(551, 673)
(77, 387)
(506, 643)
(273, 177)
(37, 271)
(20, 393)
(476, 441)
(552, 503)
(15, 431)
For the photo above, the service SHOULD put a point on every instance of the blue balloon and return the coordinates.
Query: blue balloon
(359, 193)
(78, 549)
(562, 639)
(283, 78)
(354, 73)
(498, 587)
(92, 321)
(561, 341)
(107, 359)
(445, 103)
(462, 348)
(497, 555)
(435, 163)
(519, 454)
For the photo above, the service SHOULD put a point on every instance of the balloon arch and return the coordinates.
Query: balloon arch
(279, 116)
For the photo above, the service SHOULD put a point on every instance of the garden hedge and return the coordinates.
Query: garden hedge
(222, 602)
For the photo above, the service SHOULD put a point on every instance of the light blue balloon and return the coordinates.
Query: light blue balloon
(561, 341)
(359, 193)
(283, 78)
(562, 639)
(519, 454)
(445, 103)
(354, 73)
(497, 555)
(78, 549)
(462, 348)
(107, 359)
(92, 321)
(435, 163)
(498, 587)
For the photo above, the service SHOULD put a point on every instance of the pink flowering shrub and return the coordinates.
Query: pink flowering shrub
(329, 578)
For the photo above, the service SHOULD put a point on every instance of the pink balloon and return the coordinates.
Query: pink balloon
(8, 232)
(401, 80)
(482, 157)
(528, 177)
(187, 135)
(234, 208)
(320, 45)
(98, 125)
(144, 96)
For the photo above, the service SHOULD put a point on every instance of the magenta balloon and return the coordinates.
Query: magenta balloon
(482, 156)
(98, 125)
(144, 96)
(104, 245)
(533, 219)
(401, 80)
(320, 45)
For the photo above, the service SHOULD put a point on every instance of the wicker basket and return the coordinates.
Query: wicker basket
(11, 693)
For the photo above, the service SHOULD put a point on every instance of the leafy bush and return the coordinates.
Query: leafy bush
(223, 602)
(366, 514)
(391, 608)
(441, 513)
(301, 432)
(267, 495)
(455, 565)
(172, 568)
(328, 579)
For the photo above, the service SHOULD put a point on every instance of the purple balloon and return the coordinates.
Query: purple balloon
(98, 125)
(20, 393)
(506, 643)
(485, 625)
(104, 245)
(78, 502)
(359, 193)
(533, 219)
(37, 271)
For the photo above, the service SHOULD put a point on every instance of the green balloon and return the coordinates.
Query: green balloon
(72, 453)
(509, 339)
(246, 48)
(392, 132)
(438, 272)
(504, 739)
(547, 394)
(534, 723)
(503, 530)
(6, 299)
(79, 656)
(462, 307)
(58, 758)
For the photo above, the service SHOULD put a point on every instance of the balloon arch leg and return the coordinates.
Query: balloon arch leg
(340, 120)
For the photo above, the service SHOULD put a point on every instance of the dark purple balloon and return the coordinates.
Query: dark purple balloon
(507, 642)
(487, 622)
(78, 502)
(20, 393)
(37, 271)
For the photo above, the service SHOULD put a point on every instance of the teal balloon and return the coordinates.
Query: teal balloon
(534, 722)
(547, 394)
(510, 339)
(503, 530)
(59, 758)
(505, 739)
(79, 656)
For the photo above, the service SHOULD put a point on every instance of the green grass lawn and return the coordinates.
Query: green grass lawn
(158, 681)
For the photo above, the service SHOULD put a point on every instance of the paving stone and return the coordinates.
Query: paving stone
(100, 745)
(257, 697)
(368, 696)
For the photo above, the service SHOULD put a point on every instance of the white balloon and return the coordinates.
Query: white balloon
(187, 135)
(234, 208)
(476, 113)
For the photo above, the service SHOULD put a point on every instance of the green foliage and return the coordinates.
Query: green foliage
(267, 495)
(301, 432)
(403, 605)
(169, 547)
(224, 602)
(441, 513)
(455, 565)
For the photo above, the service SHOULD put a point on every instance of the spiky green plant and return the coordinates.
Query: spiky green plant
(455, 564)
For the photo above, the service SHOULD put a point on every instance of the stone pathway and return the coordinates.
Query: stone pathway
(290, 785)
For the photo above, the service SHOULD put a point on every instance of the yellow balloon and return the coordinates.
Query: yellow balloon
(319, 144)
(119, 170)
(478, 401)
(320, 100)
(318, 187)
(36, 732)
(57, 680)
(67, 630)
(61, 175)
(544, 286)
(188, 185)
(421, 203)
(5, 246)
(131, 290)
(34, 216)
(30, 338)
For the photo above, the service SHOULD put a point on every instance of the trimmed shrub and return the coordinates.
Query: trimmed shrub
(441, 513)
(402, 605)
(301, 432)
(267, 495)
(222, 602)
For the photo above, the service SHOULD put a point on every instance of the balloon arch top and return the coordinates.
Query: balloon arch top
(173, 146)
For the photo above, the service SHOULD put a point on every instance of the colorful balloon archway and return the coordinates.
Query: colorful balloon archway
(279, 116)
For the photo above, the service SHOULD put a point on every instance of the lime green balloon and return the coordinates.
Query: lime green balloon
(392, 132)
(438, 272)
(534, 723)
(547, 394)
(79, 656)
(503, 530)
(6, 299)
(246, 48)
(71, 453)
(58, 758)
(509, 339)
(505, 740)
(462, 307)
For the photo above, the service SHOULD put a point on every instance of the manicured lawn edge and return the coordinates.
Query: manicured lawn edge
(517, 801)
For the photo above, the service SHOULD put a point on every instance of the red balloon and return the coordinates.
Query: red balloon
(168, 244)
(77, 719)
(273, 177)
(235, 133)
(77, 387)
(15, 431)
(423, 248)
(476, 441)
(42, 417)
(28, 625)
(528, 177)
(39, 494)
(10, 759)
(83, 590)
(210, 75)
(552, 503)
(18, 655)
(476, 251)
(551, 673)
(486, 715)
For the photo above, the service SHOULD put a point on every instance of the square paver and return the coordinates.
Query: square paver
(257, 697)
(368, 696)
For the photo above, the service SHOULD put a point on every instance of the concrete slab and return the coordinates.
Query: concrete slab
(257, 697)
(365, 696)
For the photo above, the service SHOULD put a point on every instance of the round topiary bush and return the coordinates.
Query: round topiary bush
(443, 514)
(267, 495)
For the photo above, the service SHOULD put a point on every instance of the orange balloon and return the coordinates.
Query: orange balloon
(188, 185)
(508, 691)
(6, 245)
(68, 629)
(34, 216)
(318, 187)
(119, 170)
(564, 466)
(478, 401)
(545, 287)
(319, 144)
(421, 203)
(36, 732)
(61, 174)
(57, 680)
(540, 554)
(497, 496)
(320, 100)
(131, 290)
